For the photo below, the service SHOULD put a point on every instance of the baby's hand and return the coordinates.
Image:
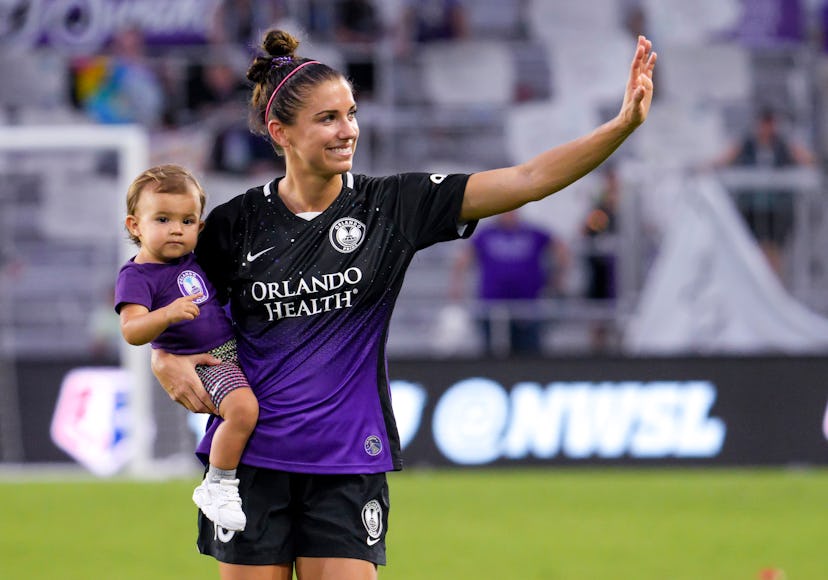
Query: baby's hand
(183, 308)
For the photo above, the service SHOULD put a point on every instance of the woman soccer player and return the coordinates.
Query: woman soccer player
(312, 263)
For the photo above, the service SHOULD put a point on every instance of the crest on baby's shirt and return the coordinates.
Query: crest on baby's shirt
(190, 283)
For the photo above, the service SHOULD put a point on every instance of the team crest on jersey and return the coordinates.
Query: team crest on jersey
(347, 234)
(372, 520)
(373, 445)
(190, 283)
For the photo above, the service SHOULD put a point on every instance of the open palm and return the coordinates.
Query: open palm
(639, 92)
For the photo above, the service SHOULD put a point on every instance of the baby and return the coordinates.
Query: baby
(163, 297)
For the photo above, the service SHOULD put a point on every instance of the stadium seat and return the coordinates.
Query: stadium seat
(708, 73)
(534, 127)
(680, 136)
(468, 72)
(693, 23)
(593, 73)
(590, 18)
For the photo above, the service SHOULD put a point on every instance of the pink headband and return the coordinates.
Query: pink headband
(284, 80)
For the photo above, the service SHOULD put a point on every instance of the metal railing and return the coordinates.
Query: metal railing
(803, 256)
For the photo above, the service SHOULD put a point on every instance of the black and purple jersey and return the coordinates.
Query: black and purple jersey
(312, 301)
(157, 285)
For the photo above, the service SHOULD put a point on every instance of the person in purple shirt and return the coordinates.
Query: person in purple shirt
(517, 262)
(311, 264)
(163, 297)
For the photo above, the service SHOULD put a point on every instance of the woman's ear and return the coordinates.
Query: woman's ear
(277, 133)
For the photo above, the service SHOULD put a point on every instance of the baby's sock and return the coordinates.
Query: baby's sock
(214, 474)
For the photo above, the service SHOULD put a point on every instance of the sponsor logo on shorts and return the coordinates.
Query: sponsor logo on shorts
(347, 234)
(373, 445)
(190, 283)
(372, 520)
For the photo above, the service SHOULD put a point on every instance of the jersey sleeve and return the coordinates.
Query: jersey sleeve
(427, 208)
(131, 287)
(217, 245)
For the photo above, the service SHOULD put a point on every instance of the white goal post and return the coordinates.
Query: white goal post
(130, 145)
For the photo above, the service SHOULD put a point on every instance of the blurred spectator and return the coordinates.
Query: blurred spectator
(217, 97)
(357, 30)
(121, 87)
(431, 21)
(239, 22)
(600, 235)
(357, 21)
(769, 213)
(214, 85)
(421, 22)
(772, 22)
(634, 18)
(516, 261)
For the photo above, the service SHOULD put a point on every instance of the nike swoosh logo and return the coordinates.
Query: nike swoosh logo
(372, 541)
(251, 257)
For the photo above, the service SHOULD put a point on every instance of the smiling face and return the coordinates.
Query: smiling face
(322, 140)
(167, 224)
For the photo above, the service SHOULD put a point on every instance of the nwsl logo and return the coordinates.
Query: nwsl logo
(347, 234)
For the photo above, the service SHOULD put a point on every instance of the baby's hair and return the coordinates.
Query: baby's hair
(282, 81)
(167, 178)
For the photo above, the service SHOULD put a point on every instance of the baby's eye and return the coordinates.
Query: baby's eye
(162, 219)
(189, 221)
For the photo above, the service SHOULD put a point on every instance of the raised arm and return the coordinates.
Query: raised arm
(500, 190)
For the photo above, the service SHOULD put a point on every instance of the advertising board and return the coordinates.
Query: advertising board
(662, 411)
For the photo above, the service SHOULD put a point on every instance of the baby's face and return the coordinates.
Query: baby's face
(167, 224)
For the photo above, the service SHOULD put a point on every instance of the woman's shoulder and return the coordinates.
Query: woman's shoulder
(359, 181)
(403, 181)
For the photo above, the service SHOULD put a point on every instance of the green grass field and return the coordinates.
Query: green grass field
(551, 524)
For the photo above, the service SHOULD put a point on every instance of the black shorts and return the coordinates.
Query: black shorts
(292, 515)
(768, 214)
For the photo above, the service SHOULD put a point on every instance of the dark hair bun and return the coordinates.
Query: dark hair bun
(280, 43)
(276, 43)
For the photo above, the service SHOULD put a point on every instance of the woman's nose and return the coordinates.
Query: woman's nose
(349, 129)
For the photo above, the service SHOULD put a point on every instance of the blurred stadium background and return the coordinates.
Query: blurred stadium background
(708, 356)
